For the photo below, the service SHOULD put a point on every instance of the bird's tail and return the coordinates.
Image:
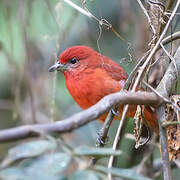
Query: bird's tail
(149, 116)
(151, 119)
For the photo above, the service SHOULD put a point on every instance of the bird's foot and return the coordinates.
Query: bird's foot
(101, 140)
(116, 113)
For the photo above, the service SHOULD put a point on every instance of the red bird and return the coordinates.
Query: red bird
(90, 76)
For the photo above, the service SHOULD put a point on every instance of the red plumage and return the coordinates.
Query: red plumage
(91, 76)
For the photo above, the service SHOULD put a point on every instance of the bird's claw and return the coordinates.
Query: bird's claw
(116, 113)
(101, 141)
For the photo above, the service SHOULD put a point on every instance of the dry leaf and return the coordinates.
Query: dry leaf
(138, 121)
(173, 131)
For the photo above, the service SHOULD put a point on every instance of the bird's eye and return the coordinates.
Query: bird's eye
(73, 61)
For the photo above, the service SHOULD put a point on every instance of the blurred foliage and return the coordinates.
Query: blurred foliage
(25, 161)
(32, 34)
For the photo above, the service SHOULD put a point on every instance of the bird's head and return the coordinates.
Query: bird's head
(73, 58)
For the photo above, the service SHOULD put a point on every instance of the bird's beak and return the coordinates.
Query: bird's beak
(57, 67)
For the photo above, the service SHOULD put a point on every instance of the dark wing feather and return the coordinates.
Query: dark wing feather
(114, 70)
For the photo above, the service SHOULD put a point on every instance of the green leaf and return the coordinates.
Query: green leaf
(84, 175)
(21, 174)
(97, 152)
(27, 150)
(51, 164)
(122, 173)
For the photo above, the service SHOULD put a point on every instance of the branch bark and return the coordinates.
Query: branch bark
(81, 118)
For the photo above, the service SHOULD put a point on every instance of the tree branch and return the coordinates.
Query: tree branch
(83, 117)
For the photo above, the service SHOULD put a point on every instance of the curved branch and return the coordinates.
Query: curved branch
(81, 118)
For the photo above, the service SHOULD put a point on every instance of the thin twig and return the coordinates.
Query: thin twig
(165, 41)
(164, 144)
(52, 107)
(52, 104)
(169, 13)
(170, 57)
(158, 94)
(134, 71)
(101, 22)
(169, 123)
(147, 15)
(171, 38)
(82, 11)
(117, 138)
(144, 66)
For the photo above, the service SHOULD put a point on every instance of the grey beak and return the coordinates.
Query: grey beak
(57, 67)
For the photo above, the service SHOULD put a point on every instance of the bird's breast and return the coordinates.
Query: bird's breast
(88, 88)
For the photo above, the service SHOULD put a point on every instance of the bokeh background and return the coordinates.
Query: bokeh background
(32, 35)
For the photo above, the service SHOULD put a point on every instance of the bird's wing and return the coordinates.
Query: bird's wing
(114, 70)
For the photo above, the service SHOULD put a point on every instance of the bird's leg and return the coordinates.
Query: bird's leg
(103, 133)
